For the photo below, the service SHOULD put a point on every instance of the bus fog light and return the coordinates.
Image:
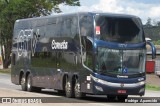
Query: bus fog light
(141, 90)
(142, 83)
(99, 88)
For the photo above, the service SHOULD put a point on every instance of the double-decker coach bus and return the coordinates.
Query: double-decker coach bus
(81, 53)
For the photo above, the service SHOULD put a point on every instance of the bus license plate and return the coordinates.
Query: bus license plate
(122, 91)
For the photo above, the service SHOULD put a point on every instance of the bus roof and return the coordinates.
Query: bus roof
(91, 13)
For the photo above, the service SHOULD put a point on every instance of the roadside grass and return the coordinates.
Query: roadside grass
(6, 71)
(152, 87)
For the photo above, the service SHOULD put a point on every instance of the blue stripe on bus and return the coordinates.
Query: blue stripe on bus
(115, 45)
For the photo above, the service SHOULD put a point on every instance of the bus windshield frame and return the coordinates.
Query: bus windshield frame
(129, 61)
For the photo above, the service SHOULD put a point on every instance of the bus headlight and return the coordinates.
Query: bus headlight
(99, 80)
(141, 90)
(142, 83)
(99, 88)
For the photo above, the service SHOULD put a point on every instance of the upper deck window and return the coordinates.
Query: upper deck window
(86, 25)
(121, 30)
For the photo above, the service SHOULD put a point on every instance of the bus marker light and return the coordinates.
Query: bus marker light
(97, 30)
(141, 90)
(88, 78)
(88, 86)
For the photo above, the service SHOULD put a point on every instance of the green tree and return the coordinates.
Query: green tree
(149, 22)
(11, 10)
(158, 23)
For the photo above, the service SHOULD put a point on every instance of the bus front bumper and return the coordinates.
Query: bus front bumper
(105, 88)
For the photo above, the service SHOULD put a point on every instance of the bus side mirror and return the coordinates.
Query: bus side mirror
(153, 49)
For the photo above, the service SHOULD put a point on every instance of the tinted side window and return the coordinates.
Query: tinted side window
(44, 59)
(86, 25)
(69, 26)
(74, 26)
(66, 26)
(53, 27)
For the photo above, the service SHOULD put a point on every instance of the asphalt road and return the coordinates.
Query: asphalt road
(7, 89)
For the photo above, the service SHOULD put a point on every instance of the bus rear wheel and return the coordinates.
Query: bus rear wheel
(68, 88)
(29, 83)
(23, 83)
(77, 90)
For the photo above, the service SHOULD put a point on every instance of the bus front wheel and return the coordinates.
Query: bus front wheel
(122, 97)
(111, 97)
(23, 83)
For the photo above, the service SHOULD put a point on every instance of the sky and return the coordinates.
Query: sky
(141, 8)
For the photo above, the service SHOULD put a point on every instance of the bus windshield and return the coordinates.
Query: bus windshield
(113, 61)
(119, 29)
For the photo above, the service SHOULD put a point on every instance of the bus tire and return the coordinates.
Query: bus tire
(122, 97)
(111, 97)
(77, 90)
(29, 83)
(68, 88)
(23, 83)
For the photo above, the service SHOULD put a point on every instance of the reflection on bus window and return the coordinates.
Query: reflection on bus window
(122, 30)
